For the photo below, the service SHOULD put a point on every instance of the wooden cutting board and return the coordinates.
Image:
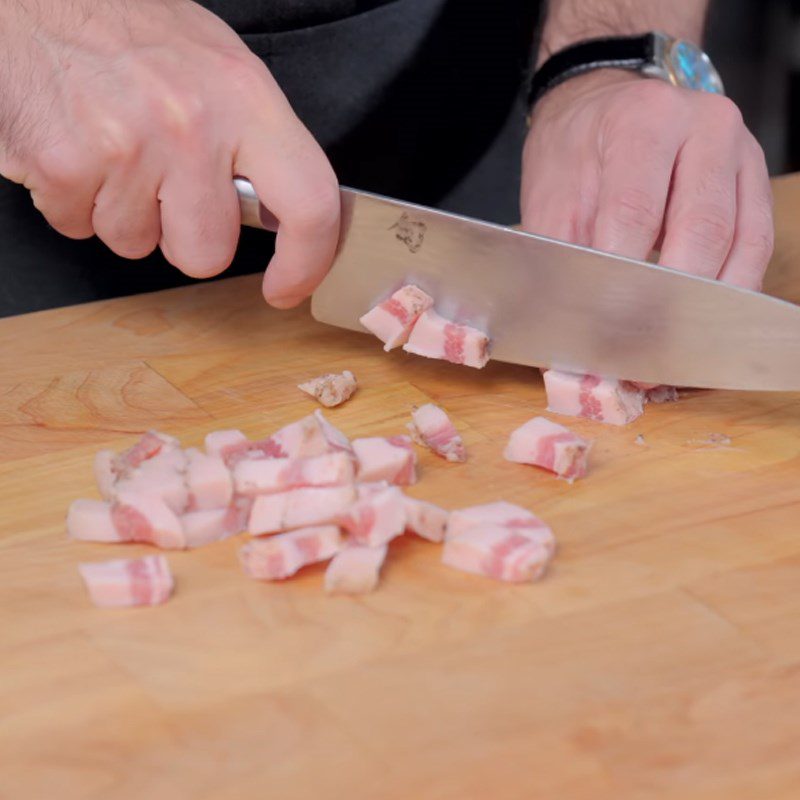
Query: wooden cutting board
(660, 658)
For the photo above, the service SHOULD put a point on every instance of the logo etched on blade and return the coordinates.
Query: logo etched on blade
(410, 231)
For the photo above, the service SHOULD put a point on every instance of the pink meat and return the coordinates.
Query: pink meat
(432, 428)
(299, 508)
(604, 400)
(208, 481)
(335, 440)
(162, 476)
(662, 394)
(425, 519)
(331, 389)
(104, 473)
(121, 582)
(504, 515)
(211, 525)
(392, 320)
(376, 517)
(280, 556)
(141, 517)
(497, 552)
(90, 521)
(551, 446)
(355, 570)
(381, 459)
(224, 443)
(435, 337)
(151, 444)
(265, 476)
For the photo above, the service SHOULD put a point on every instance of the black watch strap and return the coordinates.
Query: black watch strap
(624, 52)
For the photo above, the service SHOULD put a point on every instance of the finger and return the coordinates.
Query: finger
(199, 215)
(754, 238)
(295, 181)
(701, 209)
(634, 186)
(559, 212)
(126, 214)
(63, 185)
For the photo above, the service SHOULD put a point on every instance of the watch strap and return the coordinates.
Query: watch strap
(622, 52)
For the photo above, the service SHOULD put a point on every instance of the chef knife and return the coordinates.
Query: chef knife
(546, 303)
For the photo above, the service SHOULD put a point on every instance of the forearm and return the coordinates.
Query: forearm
(570, 21)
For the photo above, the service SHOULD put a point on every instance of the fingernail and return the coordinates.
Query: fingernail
(284, 301)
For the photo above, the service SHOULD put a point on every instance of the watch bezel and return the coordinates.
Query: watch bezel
(663, 65)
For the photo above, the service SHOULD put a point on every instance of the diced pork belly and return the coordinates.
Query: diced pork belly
(150, 445)
(376, 517)
(425, 519)
(163, 476)
(280, 556)
(224, 443)
(331, 389)
(551, 446)
(121, 582)
(435, 337)
(268, 475)
(431, 427)
(355, 570)
(208, 481)
(90, 521)
(335, 440)
(392, 320)
(610, 401)
(104, 473)
(504, 515)
(497, 552)
(662, 394)
(298, 508)
(389, 459)
(212, 525)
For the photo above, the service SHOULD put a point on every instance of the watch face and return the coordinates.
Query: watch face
(693, 69)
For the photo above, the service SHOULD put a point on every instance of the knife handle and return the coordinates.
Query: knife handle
(254, 214)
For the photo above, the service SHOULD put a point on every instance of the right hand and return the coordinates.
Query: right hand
(129, 121)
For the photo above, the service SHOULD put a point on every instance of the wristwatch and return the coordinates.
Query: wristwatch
(653, 55)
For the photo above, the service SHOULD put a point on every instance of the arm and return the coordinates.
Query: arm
(129, 120)
(627, 164)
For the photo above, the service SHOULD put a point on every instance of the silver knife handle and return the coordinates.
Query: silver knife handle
(254, 214)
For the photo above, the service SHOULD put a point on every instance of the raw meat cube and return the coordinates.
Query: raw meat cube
(208, 481)
(104, 473)
(331, 389)
(431, 427)
(224, 443)
(280, 556)
(500, 514)
(299, 508)
(611, 401)
(143, 581)
(435, 337)
(497, 552)
(551, 446)
(90, 521)
(662, 394)
(151, 444)
(392, 320)
(335, 440)
(212, 525)
(376, 517)
(143, 517)
(355, 570)
(163, 476)
(381, 459)
(425, 519)
(266, 475)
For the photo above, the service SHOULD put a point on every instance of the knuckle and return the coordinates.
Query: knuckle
(318, 210)
(243, 72)
(759, 243)
(636, 208)
(723, 110)
(710, 229)
(57, 168)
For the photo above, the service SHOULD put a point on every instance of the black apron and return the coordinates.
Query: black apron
(417, 99)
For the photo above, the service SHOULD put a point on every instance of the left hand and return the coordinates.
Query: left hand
(625, 164)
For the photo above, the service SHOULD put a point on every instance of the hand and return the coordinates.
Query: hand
(129, 121)
(624, 164)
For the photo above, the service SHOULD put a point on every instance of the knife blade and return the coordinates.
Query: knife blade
(546, 303)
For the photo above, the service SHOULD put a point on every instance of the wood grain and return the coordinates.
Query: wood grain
(659, 659)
